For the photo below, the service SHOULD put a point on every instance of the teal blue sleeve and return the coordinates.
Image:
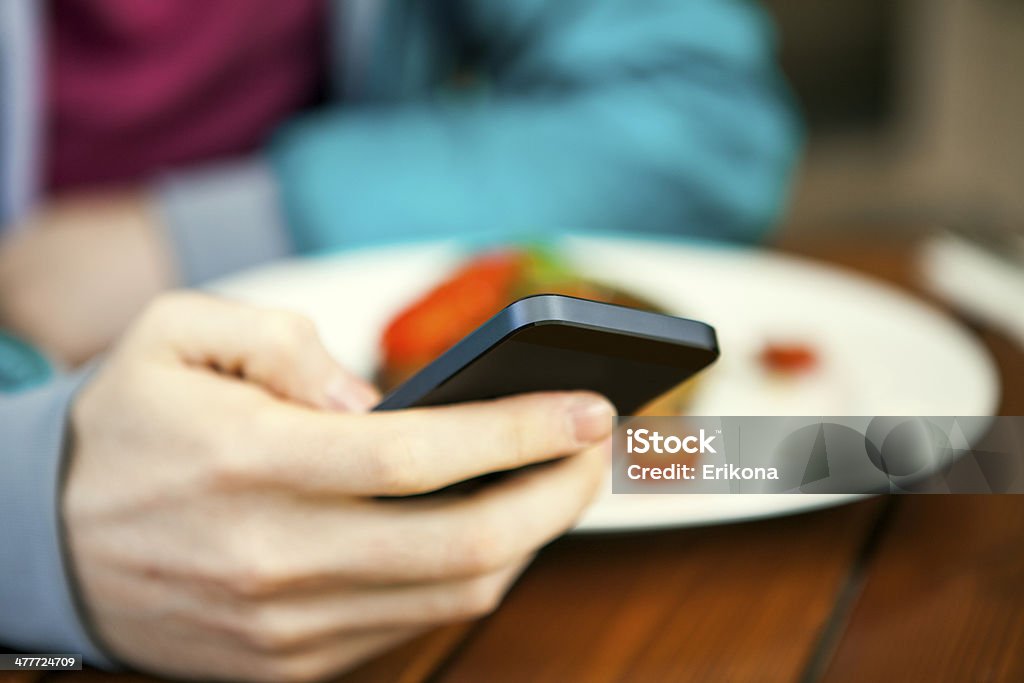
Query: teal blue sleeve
(598, 115)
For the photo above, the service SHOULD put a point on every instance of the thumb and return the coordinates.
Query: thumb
(278, 350)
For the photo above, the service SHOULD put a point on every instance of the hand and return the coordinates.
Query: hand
(73, 278)
(222, 524)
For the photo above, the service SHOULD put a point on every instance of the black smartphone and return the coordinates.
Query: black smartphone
(550, 342)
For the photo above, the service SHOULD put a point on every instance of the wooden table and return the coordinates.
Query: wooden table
(904, 589)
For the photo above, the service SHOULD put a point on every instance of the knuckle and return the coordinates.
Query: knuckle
(252, 582)
(227, 468)
(290, 329)
(267, 631)
(226, 475)
(395, 467)
(482, 549)
(253, 574)
(239, 454)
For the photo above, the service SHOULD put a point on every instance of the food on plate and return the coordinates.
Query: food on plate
(792, 358)
(476, 291)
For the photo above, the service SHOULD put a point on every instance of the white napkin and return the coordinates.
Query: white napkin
(980, 274)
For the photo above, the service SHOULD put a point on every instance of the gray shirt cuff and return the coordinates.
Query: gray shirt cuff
(38, 610)
(222, 218)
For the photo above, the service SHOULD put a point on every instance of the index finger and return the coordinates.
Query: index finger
(420, 450)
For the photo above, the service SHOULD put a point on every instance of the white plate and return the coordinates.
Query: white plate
(882, 352)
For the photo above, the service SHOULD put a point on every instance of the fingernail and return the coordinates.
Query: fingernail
(350, 395)
(591, 419)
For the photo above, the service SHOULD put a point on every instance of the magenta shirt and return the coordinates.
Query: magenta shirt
(134, 88)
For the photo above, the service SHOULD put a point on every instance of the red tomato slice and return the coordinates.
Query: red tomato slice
(458, 305)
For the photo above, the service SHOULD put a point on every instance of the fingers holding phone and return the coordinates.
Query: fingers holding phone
(222, 523)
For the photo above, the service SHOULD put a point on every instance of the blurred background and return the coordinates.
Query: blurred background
(915, 111)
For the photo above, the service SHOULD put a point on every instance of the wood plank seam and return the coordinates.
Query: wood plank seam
(847, 596)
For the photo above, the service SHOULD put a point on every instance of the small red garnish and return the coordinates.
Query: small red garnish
(788, 358)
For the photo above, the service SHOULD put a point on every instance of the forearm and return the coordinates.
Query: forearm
(81, 267)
